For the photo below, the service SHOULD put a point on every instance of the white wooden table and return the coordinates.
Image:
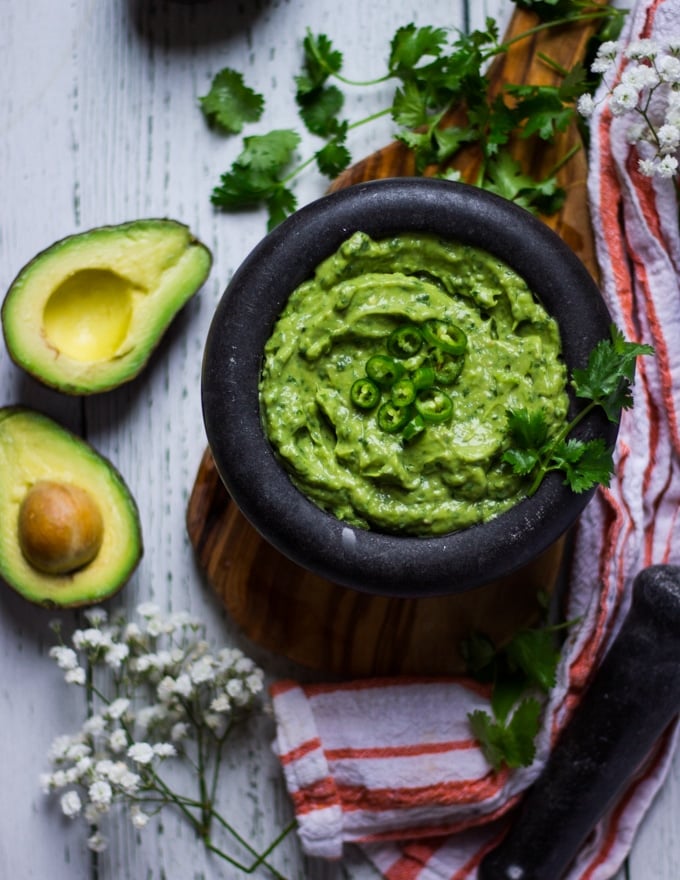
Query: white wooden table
(99, 123)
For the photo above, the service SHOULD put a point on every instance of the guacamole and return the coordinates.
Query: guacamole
(389, 375)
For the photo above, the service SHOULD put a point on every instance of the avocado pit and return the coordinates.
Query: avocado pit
(60, 527)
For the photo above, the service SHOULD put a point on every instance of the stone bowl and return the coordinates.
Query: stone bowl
(372, 561)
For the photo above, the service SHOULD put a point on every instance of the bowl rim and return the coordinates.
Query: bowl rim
(243, 320)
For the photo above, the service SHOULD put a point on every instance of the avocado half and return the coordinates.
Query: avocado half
(37, 453)
(85, 314)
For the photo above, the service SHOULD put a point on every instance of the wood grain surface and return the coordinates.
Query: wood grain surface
(328, 627)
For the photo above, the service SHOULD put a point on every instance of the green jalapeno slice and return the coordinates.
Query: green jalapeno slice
(423, 377)
(449, 337)
(392, 418)
(413, 429)
(405, 341)
(447, 367)
(364, 393)
(384, 370)
(434, 405)
(403, 392)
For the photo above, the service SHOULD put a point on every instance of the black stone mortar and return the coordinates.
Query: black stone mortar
(370, 560)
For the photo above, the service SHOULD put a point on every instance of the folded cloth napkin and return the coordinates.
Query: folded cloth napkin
(390, 764)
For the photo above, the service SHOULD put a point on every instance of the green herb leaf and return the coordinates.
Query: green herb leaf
(230, 103)
(541, 109)
(609, 374)
(528, 429)
(280, 204)
(449, 140)
(410, 106)
(269, 152)
(506, 178)
(479, 654)
(255, 176)
(411, 44)
(319, 109)
(533, 652)
(333, 158)
(585, 464)
(321, 60)
(510, 743)
(522, 461)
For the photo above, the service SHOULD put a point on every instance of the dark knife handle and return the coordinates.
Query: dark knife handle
(633, 696)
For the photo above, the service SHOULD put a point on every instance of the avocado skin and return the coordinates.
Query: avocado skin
(34, 447)
(127, 251)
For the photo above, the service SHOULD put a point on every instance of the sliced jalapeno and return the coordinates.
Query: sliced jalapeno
(364, 393)
(392, 418)
(423, 377)
(403, 392)
(434, 405)
(414, 428)
(449, 337)
(447, 367)
(405, 341)
(384, 370)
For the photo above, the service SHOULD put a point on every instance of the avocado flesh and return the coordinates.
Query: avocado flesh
(34, 448)
(85, 314)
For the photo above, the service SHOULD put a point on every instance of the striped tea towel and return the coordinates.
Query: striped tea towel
(390, 764)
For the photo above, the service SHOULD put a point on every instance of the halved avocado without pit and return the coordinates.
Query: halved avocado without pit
(70, 533)
(85, 314)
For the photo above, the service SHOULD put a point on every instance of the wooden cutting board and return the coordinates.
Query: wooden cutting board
(327, 627)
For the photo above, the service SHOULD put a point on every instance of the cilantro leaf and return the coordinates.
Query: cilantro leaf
(494, 123)
(542, 110)
(410, 106)
(522, 461)
(507, 691)
(243, 187)
(506, 178)
(449, 140)
(512, 742)
(479, 654)
(254, 177)
(574, 83)
(319, 109)
(585, 464)
(280, 204)
(609, 374)
(533, 652)
(527, 662)
(411, 44)
(230, 102)
(269, 152)
(333, 158)
(321, 60)
(529, 430)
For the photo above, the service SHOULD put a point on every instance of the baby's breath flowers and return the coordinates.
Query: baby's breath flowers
(155, 692)
(647, 94)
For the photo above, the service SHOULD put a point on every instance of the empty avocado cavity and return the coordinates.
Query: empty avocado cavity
(85, 315)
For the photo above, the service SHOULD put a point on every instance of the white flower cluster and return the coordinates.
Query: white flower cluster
(647, 91)
(165, 685)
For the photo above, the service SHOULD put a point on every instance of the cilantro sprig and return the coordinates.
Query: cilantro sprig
(519, 674)
(606, 382)
(434, 70)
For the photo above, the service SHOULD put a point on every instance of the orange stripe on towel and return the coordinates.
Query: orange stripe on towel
(305, 748)
(358, 797)
(434, 748)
